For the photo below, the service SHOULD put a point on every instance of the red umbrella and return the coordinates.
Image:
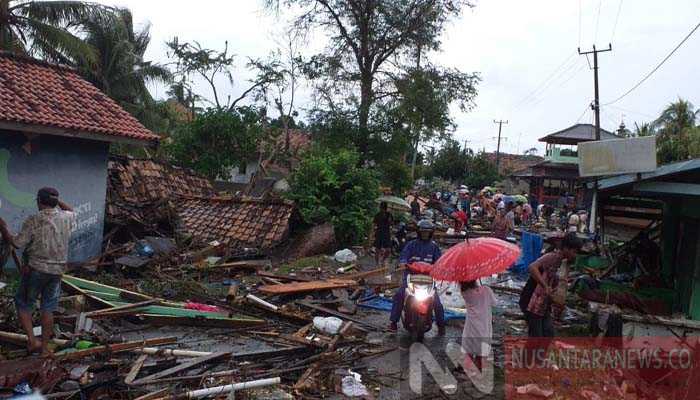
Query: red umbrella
(474, 259)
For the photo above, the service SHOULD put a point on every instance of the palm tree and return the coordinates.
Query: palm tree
(120, 70)
(675, 127)
(676, 118)
(43, 28)
(645, 129)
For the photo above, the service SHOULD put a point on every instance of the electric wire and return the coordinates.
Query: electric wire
(647, 76)
(617, 18)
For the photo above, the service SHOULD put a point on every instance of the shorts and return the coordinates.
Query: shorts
(37, 284)
(382, 241)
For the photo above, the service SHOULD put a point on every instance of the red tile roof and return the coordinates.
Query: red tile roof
(35, 93)
(237, 221)
(134, 184)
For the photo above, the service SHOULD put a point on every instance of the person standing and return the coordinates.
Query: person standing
(536, 298)
(382, 234)
(478, 326)
(422, 249)
(415, 207)
(44, 239)
(499, 227)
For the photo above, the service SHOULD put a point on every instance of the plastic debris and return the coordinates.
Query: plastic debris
(329, 325)
(345, 256)
(352, 385)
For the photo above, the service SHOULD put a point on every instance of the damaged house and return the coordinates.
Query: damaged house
(56, 131)
(146, 195)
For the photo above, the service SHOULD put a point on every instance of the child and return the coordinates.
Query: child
(478, 329)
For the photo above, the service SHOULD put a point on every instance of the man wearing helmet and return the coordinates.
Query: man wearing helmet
(422, 249)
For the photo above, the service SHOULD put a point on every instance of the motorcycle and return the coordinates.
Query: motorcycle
(418, 308)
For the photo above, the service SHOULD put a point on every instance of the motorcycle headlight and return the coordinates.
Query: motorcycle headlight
(422, 293)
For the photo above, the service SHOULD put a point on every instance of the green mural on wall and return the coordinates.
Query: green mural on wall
(7, 191)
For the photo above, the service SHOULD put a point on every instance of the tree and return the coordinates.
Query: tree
(217, 141)
(460, 165)
(41, 29)
(532, 151)
(328, 186)
(481, 171)
(675, 129)
(191, 60)
(120, 70)
(286, 66)
(370, 41)
(396, 175)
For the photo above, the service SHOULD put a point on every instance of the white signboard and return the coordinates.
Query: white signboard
(617, 156)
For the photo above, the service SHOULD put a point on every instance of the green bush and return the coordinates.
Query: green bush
(330, 187)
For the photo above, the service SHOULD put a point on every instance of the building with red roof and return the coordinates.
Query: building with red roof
(55, 130)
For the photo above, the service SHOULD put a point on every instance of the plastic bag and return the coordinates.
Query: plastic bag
(345, 256)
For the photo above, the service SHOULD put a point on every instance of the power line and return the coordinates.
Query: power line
(657, 67)
(627, 110)
(617, 18)
(588, 107)
(563, 84)
(546, 80)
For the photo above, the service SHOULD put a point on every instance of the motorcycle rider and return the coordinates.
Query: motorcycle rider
(421, 249)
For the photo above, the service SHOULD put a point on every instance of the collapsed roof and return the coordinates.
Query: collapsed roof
(148, 192)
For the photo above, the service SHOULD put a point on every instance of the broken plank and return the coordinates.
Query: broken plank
(115, 348)
(378, 271)
(135, 369)
(301, 287)
(182, 367)
(341, 315)
(245, 264)
(153, 395)
(266, 274)
(201, 321)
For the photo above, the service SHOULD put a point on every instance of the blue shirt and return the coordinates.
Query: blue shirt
(419, 250)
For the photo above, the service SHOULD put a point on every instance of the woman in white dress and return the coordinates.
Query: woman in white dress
(478, 327)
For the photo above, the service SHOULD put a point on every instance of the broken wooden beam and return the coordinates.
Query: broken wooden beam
(311, 286)
(182, 367)
(245, 264)
(115, 348)
(135, 369)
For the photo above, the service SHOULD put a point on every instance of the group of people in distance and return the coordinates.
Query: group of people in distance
(537, 298)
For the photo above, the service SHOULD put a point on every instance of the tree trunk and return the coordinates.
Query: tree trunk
(4, 24)
(365, 103)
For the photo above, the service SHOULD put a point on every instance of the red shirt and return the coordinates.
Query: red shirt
(548, 266)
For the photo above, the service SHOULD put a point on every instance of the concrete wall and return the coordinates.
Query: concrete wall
(77, 168)
(250, 170)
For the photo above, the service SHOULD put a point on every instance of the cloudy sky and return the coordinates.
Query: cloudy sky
(525, 51)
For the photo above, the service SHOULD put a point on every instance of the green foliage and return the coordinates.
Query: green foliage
(372, 47)
(677, 135)
(329, 186)
(456, 164)
(396, 175)
(41, 29)
(216, 141)
(481, 171)
(120, 70)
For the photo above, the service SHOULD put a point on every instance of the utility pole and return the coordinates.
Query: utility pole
(596, 109)
(498, 146)
(596, 101)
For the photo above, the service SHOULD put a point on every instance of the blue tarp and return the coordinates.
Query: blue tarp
(384, 304)
(531, 246)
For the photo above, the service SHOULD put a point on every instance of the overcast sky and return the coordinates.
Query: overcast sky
(525, 52)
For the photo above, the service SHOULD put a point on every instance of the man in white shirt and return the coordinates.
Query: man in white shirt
(44, 239)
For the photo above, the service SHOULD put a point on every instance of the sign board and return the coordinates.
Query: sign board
(617, 156)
